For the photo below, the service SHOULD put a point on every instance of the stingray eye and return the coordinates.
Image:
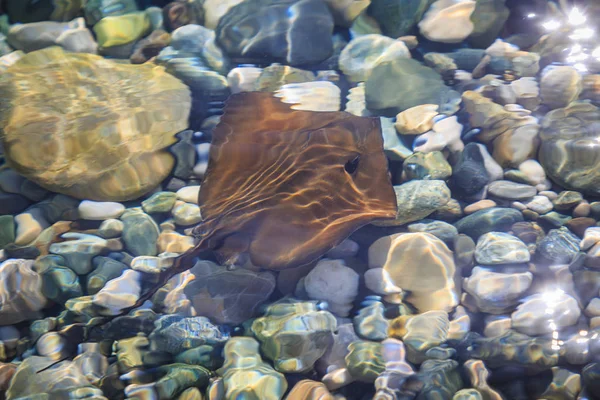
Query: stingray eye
(352, 165)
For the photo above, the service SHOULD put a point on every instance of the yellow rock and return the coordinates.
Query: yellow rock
(416, 120)
(84, 126)
(309, 390)
(122, 29)
(420, 264)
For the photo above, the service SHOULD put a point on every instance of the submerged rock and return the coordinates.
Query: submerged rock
(175, 334)
(417, 199)
(43, 377)
(228, 297)
(568, 147)
(398, 17)
(301, 323)
(245, 374)
(94, 164)
(21, 295)
(395, 86)
(422, 265)
(448, 21)
(305, 38)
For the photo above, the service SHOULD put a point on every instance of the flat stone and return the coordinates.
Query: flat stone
(417, 199)
(21, 297)
(427, 166)
(496, 292)
(302, 35)
(540, 204)
(189, 194)
(567, 200)
(228, 297)
(511, 190)
(100, 210)
(479, 205)
(395, 86)
(140, 233)
(119, 293)
(440, 229)
(105, 269)
(534, 171)
(559, 246)
(110, 228)
(160, 202)
(500, 248)
(186, 214)
(29, 226)
(332, 281)
(553, 219)
(79, 252)
(492, 219)
(546, 312)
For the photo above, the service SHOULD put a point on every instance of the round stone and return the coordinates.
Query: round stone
(500, 248)
(569, 147)
(100, 210)
(511, 190)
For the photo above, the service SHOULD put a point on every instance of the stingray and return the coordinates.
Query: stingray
(284, 186)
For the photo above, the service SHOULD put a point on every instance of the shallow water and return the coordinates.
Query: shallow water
(299, 199)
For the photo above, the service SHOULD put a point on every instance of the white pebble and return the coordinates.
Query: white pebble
(534, 171)
(119, 293)
(100, 210)
(332, 281)
(29, 226)
(189, 194)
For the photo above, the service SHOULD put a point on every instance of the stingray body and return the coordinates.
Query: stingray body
(284, 186)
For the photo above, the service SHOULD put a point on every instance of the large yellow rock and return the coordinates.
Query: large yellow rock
(421, 265)
(85, 126)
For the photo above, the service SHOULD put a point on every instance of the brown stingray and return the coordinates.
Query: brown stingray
(284, 186)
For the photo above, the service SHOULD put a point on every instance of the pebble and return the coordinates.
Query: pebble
(173, 242)
(469, 174)
(119, 293)
(492, 219)
(332, 281)
(79, 252)
(440, 229)
(111, 228)
(534, 171)
(540, 204)
(160, 202)
(189, 194)
(496, 292)
(100, 210)
(567, 200)
(410, 257)
(545, 312)
(186, 214)
(495, 248)
(29, 226)
(140, 232)
(582, 209)
(416, 120)
(511, 190)
(559, 246)
(479, 205)
(417, 199)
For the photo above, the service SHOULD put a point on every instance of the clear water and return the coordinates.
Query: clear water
(299, 199)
